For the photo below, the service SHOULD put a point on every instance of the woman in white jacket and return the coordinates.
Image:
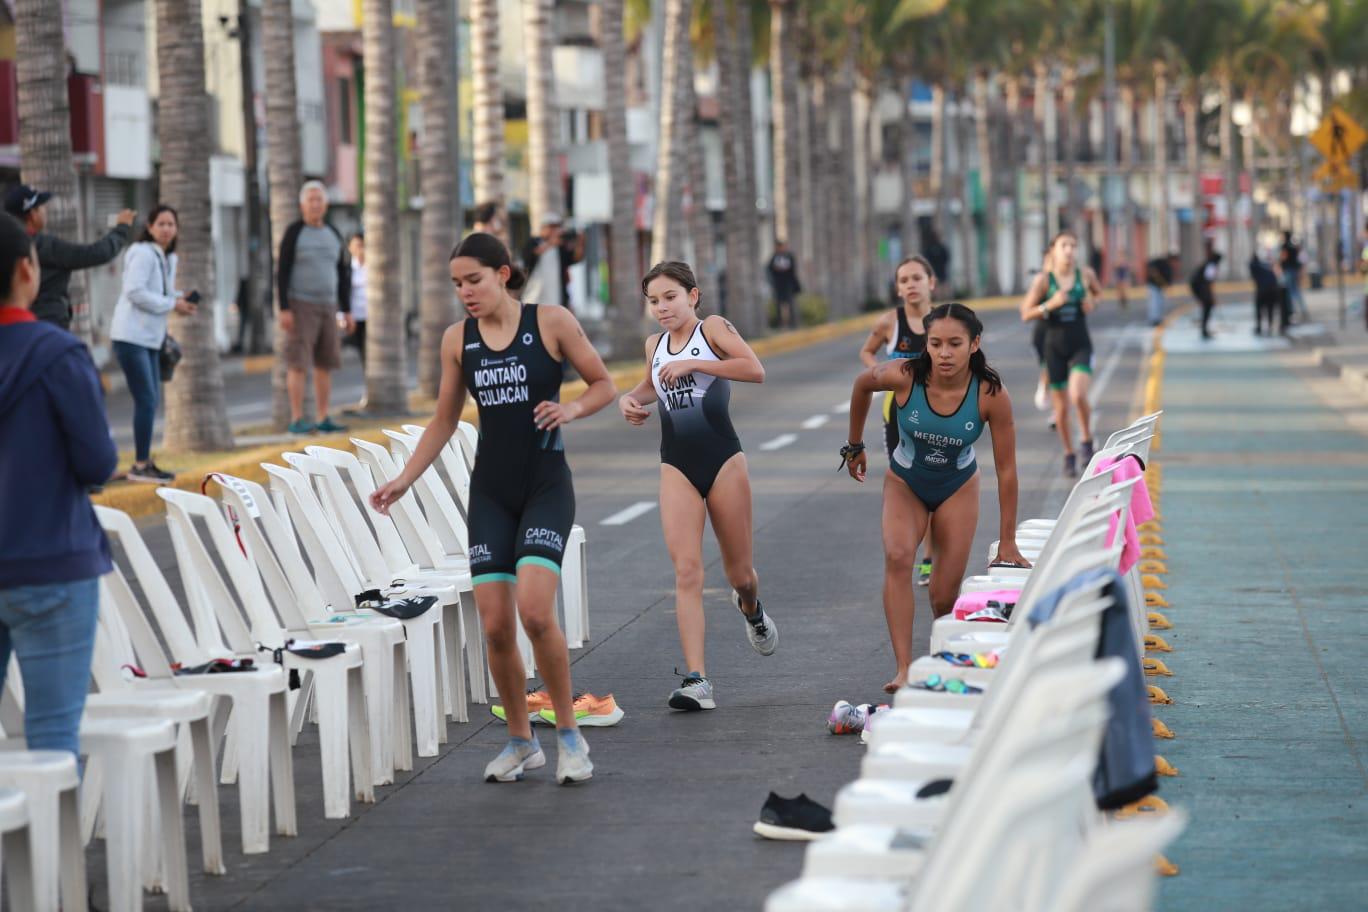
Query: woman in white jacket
(139, 328)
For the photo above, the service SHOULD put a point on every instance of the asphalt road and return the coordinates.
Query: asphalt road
(665, 823)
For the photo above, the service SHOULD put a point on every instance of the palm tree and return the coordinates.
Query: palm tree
(744, 282)
(672, 159)
(488, 136)
(544, 190)
(385, 343)
(196, 416)
(438, 161)
(739, 219)
(699, 219)
(625, 300)
(284, 172)
(45, 125)
(787, 193)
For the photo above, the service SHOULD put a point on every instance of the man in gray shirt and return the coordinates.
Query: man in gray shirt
(313, 279)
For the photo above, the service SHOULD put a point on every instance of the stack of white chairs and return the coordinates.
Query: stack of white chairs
(978, 800)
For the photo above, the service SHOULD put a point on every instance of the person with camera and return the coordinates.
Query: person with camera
(548, 258)
(138, 330)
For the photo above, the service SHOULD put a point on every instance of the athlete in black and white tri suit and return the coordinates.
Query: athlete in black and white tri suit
(511, 356)
(702, 469)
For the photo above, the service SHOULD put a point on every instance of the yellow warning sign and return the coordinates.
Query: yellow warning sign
(1338, 136)
(1335, 175)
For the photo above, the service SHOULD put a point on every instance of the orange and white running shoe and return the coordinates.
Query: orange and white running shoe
(590, 711)
(537, 700)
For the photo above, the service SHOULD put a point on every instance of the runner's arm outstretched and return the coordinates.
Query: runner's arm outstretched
(878, 338)
(997, 411)
(888, 375)
(451, 397)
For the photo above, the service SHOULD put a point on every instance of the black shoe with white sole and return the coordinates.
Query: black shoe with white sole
(793, 819)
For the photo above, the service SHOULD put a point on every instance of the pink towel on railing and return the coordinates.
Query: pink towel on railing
(970, 602)
(1141, 509)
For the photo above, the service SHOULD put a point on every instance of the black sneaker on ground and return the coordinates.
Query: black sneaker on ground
(148, 473)
(1085, 452)
(793, 819)
(1070, 465)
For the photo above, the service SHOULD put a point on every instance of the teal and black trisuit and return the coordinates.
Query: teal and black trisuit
(935, 453)
(1066, 345)
(522, 501)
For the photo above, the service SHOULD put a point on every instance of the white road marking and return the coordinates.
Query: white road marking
(623, 517)
(779, 442)
(842, 408)
(816, 421)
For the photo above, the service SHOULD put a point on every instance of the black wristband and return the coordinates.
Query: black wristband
(848, 451)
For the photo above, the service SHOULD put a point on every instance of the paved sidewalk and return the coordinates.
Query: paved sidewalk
(1265, 522)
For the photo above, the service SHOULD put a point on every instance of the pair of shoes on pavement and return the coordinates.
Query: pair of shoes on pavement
(148, 473)
(849, 719)
(326, 426)
(590, 710)
(695, 691)
(521, 755)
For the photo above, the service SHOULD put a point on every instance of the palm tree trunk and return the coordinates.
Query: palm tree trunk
(737, 219)
(625, 303)
(488, 178)
(876, 271)
(544, 189)
(1232, 174)
(1191, 103)
(196, 414)
(1126, 125)
(907, 165)
(1014, 184)
(438, 162)
(45, 128)
(284, 173)
(385, 343)
(847, 232)
(968, 237)
(784, 101)
(671, 154)
(700, 219)
(746, 281)
(1069, 97)
(983, 105)
(939, 184)
(1045, 114)
(1161, 163)
(808, 205)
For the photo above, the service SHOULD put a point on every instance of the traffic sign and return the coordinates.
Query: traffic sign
(1335, 175)
(1338, 136)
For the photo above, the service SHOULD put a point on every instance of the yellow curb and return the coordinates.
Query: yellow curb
(258, 364)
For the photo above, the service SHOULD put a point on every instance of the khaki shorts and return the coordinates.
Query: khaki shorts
(315, 336)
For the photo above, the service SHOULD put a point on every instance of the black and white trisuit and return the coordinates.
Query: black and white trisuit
(696, 434)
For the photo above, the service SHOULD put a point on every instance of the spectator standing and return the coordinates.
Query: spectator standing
(935, 251)
(52, 549)
(57, 258)
(313, 276)
(548, 258)
(1202, 288)
(138, 330)
(1290, 265)
(356, 339)
(783, 277)
(1267, 297)
(1158, 276)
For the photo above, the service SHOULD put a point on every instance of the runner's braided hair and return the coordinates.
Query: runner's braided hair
(920, 368)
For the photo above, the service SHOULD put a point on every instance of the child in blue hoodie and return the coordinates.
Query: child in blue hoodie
(54, 444)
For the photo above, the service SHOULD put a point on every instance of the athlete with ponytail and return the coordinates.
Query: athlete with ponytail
(941, 403)
(703, 472)
(512, 356)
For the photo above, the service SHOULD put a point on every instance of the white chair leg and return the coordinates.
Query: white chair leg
(477, 658)
(228, 774)
(453, 666)
(125, 802)
(334, 745)
(359, 732)
(571, 590)
(401, 719)
(172, 832)
(250, 726)
(380, 697)
(211, 830)
(282, 768)
(72, 853)
(18, 852)
(426, 688)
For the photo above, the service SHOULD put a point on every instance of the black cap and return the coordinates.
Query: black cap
(22, 199)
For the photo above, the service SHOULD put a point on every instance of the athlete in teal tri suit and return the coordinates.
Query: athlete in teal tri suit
(942, 401)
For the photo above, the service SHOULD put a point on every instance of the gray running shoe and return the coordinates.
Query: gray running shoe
(693, 693)
(573, 763)
(761, 630)
(514, 760)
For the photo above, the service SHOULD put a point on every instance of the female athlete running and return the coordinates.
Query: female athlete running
(511, 356)
(942, 402)
(1062, 296)
(901, 335)
(702, 469)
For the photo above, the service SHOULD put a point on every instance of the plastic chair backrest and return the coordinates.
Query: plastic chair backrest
(444, 516)
(335, 569)
(130, 639)
(1115, 871)
(468, 436)
(453, 462)
(345, 515)
(415, 528)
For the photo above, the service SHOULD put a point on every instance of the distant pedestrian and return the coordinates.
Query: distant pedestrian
(1201, 282)
(52, 549)
(59, 258)
(548, 258)
(783, 277)
(1267, 297)
(356, 247)
(1290, 266)
(313, 275)
(1158, 277)
(489, 219)
(138, 330)
(935, 251)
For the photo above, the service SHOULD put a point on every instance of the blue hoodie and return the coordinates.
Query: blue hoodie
(54, 444)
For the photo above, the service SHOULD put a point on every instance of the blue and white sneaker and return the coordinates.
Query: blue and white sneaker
(573, 763)
(514, 760)
(694, 692)
(761, 630)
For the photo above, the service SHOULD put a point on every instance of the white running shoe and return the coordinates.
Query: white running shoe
(693, 693)
(1042, 398)
(573, 763)
(514, 760)
(761, 630)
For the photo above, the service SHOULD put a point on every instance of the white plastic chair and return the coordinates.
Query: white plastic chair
(272, 547)
(339, 695)
(259, 721)
(468, 437)
(338, 577)
(17, 849)
(1115, 872)
(50, 784)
